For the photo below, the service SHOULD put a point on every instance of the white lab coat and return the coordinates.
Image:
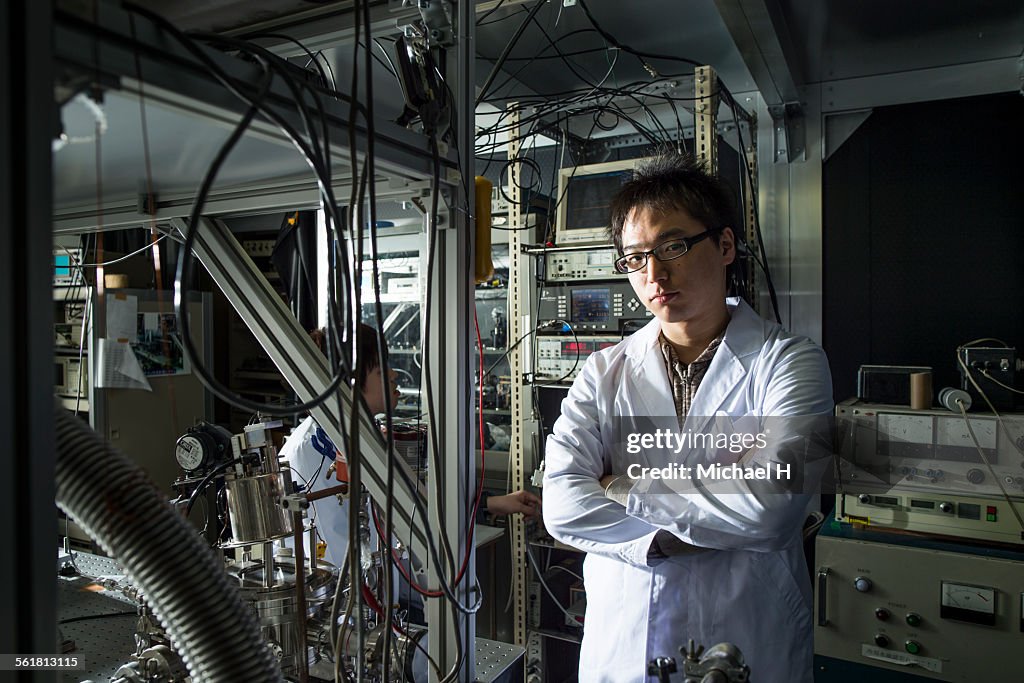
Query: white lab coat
(310, 453)
(752, 588)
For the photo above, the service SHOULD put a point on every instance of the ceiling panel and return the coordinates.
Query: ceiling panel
(841, 39)
(692, 29)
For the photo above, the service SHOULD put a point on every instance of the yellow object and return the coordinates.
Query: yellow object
(115, 281)
(484, 266)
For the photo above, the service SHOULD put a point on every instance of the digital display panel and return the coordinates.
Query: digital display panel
(572, 348)
(590, 305)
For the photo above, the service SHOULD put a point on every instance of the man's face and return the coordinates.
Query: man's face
(374, 394)
(686, 288)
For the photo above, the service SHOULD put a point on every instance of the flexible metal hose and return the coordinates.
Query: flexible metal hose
(217, 636)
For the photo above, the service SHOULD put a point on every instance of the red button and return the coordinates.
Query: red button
(991, 510)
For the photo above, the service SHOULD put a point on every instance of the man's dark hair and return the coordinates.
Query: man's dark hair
(670, 182)
(367, 348)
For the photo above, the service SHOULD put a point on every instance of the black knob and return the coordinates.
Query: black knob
(975, 476)
(864, 499)
(881, 640)
(946, 507)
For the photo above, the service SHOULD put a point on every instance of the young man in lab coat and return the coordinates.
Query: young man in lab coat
(712, 560)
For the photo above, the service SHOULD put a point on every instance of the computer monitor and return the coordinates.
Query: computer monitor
(67, 268)
(585, 194)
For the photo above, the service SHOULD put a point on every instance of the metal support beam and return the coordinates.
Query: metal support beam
(28, 604)
(923, 85)
(323, 28)
(451, 298)
(759, 29)
(301, 364)
(519, 324)
(750, 216)
(838, 127)
(790, 136)
(705, 94)
(250, 200)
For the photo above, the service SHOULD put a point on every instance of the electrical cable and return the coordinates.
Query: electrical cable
(310, 153)
(637, 53)
(431, 421)
(567, 571)
(489, 12)
(576, 363)
(122, 258)
(984, 458)
(206, 482)
(540, 578)
(508, 48)
(981, 392)
(255, 104)
(89, 617)
(517, 342)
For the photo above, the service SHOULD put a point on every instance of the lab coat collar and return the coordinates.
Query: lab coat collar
(744, 337)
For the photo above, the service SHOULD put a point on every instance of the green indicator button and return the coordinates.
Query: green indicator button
(913, 647)
(913, 619)
(990, 518)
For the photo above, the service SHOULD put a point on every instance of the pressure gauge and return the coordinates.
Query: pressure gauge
(191, 452)
(976, 604)
(202, 446)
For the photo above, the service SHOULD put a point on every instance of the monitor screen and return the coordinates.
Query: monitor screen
(588, 198)
(62, 265)
(67, 266)
(584, 200)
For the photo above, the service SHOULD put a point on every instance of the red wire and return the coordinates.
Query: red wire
(479, 489)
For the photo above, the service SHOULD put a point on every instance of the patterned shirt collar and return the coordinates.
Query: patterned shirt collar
(685, 379)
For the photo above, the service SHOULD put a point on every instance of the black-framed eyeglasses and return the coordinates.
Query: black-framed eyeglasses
(666, 251)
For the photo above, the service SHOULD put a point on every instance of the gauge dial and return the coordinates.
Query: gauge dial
(976, 604)
(190, 453)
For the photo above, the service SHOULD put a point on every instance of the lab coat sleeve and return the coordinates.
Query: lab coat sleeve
(794, 404)
(576, 511)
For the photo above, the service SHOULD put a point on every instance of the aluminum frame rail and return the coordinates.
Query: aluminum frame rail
(301, 363)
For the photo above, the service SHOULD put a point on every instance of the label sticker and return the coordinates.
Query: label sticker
(901, 658)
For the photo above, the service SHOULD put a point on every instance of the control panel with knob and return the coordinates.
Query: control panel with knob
(942, 612)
